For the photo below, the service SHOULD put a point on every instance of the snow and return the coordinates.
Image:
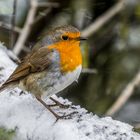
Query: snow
(32, 121)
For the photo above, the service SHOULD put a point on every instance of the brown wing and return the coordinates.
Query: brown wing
(34, 62)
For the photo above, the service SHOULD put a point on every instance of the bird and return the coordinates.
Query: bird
(53, 64)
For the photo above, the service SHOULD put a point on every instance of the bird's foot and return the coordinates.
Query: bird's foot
(57, 103)
(65, 117)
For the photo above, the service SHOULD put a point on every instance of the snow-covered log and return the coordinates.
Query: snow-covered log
(31, 121)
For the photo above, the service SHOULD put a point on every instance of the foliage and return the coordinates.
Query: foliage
(6, 134)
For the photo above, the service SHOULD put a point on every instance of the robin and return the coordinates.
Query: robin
(54, 63)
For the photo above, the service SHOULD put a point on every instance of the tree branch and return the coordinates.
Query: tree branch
(8, 27)
(96, 25)
(12, 36)
(48, 4)
(125, 95)
(89, 71)
(26, 29)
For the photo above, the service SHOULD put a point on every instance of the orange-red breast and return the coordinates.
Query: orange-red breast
(53, 64)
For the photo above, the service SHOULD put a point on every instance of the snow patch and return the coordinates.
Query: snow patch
(33, 121)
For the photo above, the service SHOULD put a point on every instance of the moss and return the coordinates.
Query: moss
(137, 12)
(137, 130)
(85, 54)
(6, 134)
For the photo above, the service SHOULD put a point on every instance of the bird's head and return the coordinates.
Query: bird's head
(66, 40)
(65, 35)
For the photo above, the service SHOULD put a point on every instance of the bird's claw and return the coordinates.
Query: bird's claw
(57, 103)
(60, 105)
(65, 117)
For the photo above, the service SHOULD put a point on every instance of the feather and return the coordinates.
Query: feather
(32, 63)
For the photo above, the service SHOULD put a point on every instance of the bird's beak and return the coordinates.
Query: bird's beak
(82, 38)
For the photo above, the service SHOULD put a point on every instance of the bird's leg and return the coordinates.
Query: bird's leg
(57, 103)
(56, 115)
(48, 107)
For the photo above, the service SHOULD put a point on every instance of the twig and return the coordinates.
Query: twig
(12, 36)
(26, 49)
(8, 27)
(48, 4)
(94, 27)
(13, 57)
(27, 27)
(89, 71)
(125, 95)
(44, 14)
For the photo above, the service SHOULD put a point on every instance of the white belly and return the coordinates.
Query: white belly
(61, 82)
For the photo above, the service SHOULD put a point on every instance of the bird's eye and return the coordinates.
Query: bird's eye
(64, 37)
